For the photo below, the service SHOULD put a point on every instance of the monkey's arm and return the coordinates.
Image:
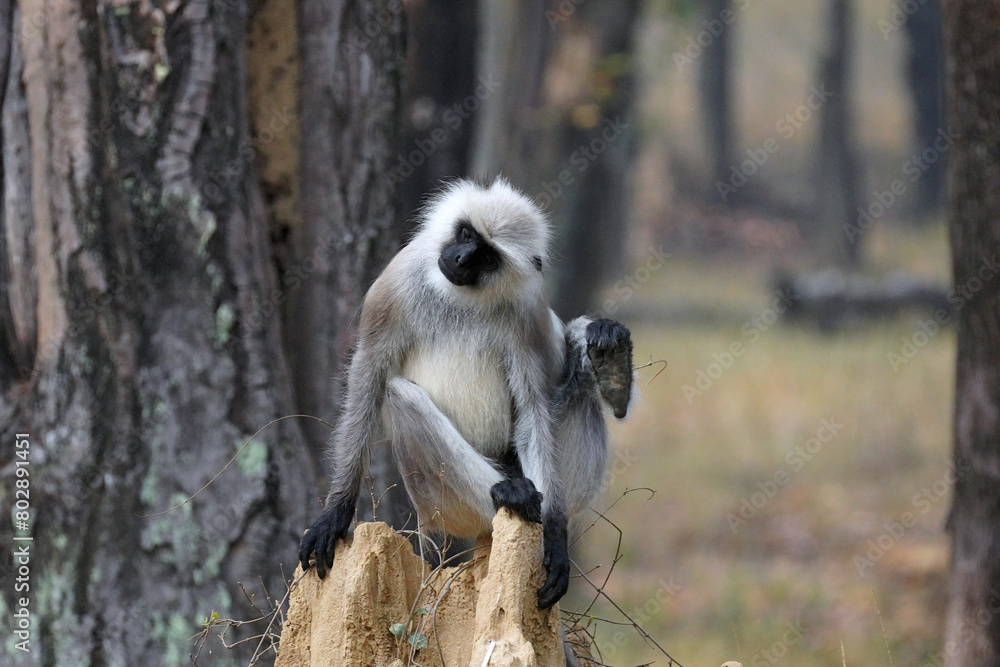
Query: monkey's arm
(597, 368)
(376, 354)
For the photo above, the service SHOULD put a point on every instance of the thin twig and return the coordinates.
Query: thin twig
(645, 635)
(652, 362)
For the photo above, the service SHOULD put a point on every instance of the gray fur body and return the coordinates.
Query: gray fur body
(455, 377)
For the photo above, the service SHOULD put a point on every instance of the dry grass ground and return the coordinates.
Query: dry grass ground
(806, 481)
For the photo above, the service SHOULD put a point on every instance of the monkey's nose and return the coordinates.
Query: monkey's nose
(463, 254)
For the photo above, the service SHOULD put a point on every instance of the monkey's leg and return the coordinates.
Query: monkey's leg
(447, 479)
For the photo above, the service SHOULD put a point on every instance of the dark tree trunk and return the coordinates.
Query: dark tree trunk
(136, 251)
(714, 86)
(925, 74)
(141, 337)
(441, 105)
(514, 43)
(352, 60)
(589, 190)
(972, 37)
(837, 168)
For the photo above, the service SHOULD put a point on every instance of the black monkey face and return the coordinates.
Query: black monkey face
(468, 258)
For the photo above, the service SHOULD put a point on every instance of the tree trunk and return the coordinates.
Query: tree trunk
(589, 192)
(141, 337)
(925, 74)
(352, 60)
(714, 86)
(440, 104)
(972, 37)
(837, 169)
(511, 58)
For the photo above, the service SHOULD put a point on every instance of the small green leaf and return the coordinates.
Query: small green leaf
(419, 640)
(397, 629)
(422, 610)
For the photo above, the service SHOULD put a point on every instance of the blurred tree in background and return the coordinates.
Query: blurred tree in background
(441, 100)
(590, 149)
(925, 75)
(715, 88)
(972, 30)
(837, 163)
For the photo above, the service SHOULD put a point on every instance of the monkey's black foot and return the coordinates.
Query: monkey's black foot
(323, 535)
(519, 495)
(609, 347)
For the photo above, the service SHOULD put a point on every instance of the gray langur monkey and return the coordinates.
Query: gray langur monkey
(487, 398)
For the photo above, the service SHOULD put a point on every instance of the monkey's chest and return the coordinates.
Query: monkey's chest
(470, 387)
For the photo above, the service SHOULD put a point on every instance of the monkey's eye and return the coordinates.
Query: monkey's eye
(465, 234)
(490, 261)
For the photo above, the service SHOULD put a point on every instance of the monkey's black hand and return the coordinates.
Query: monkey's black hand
(556, 561)
(519, 495)
(609, 347)
(323, 535)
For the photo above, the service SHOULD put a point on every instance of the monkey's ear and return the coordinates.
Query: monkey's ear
(537, 261)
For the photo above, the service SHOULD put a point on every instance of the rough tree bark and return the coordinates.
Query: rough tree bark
(352, 58)
(972, 37)
(141, 364)
(141, 341)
